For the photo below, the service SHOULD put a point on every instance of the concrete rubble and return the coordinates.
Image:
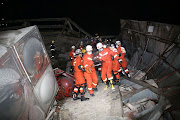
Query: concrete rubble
(139, 75)
(138, 108)
(135, 109)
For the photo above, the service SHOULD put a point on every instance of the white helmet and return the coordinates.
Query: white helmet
(118, 42)
(73, 47)
(88, 48)
(112, 45)
(78, 51)
(104, 46)
(99, 46)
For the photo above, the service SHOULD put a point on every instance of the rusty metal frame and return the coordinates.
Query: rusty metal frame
(68, 25)
(165, 48)
(168, 75)
(160, 58)
(170, 46)
(142, 55)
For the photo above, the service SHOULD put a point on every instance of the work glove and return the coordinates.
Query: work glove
(81, 68)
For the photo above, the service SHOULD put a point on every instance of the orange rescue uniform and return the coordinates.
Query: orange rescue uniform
(122, 51)
(105, 57)
(90, 74)
(78, 74)
(116, 64)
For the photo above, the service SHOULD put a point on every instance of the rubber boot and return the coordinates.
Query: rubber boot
(107, 85)
(112, 86)
(75, 97)
(83, 98)
(118, 83)
(95, 89)
(128, 75)
(115, 82)
(92, 94)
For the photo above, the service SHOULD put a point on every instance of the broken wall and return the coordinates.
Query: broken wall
(154, 48)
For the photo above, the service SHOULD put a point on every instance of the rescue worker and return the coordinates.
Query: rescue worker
(72, 56)
(122, 52)
(116, 64)
(90, 72)
(105, 57)
(52, 47)
(79, 77)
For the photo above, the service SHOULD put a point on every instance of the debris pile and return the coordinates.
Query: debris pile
(139, 108)
(126, 89)
(139, 75)
(137, 100)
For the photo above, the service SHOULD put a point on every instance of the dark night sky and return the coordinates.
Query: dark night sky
(93, 16)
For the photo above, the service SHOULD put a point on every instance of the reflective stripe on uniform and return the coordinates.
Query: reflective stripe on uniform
(75, 89)
(115, 55)
(81, 88)
(110, 78)
(89, 88)
(103, 54)
(94, 84)
(126, 70)
(100, 54)
(74, 63)
(89, 58)
(105, 80)
(86, 65)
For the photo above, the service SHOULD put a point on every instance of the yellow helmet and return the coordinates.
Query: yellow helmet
(53, 41)
(83, 50)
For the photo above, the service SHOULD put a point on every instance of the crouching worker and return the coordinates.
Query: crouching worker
(79, 77)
